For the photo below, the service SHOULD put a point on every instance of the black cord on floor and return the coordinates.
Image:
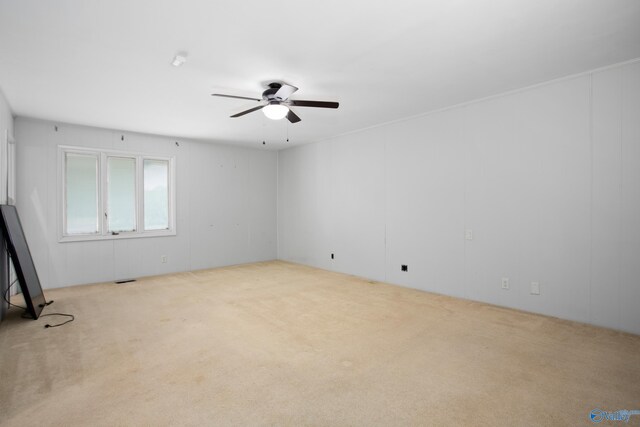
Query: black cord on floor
(59, 324)
(5, 296)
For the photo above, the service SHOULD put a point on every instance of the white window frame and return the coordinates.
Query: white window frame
(102, 189)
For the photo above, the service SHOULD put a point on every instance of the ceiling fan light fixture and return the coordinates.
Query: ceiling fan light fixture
(275, 111)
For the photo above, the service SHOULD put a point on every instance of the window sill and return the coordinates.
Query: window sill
(95, 237)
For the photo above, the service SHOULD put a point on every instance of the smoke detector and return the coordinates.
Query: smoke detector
(179, 59)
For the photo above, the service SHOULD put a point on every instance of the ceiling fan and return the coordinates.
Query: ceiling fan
(276, 105)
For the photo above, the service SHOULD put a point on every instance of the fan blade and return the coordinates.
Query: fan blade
(251, 110)
(237, 97)
(285, 92)
(293, 117)
(319, 104)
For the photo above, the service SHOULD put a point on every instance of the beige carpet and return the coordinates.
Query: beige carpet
(281, 344)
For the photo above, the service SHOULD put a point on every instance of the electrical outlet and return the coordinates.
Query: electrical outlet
(163, 259)
(404, 267)
(505, 283)
(468, 234)
(535, 288)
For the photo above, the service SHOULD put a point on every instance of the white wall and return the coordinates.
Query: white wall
(6, 130)
(548, 179)
(6, 118)
(226, 206)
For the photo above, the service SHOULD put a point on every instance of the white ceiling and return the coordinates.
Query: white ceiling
(107, 63)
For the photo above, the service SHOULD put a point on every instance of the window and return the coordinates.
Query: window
(82, 193)
(110, 195)
(156, 194)
(121, 194)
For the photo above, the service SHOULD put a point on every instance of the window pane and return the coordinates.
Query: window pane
(81, 193)
(156, 194)
(121, 197)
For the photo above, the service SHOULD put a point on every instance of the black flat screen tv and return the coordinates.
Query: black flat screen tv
(14, 238)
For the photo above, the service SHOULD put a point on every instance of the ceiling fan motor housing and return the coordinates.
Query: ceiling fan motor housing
(269, 94)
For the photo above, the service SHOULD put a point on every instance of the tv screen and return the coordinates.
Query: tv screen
(21, 258)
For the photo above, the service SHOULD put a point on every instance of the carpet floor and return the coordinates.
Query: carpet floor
(281, 344)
